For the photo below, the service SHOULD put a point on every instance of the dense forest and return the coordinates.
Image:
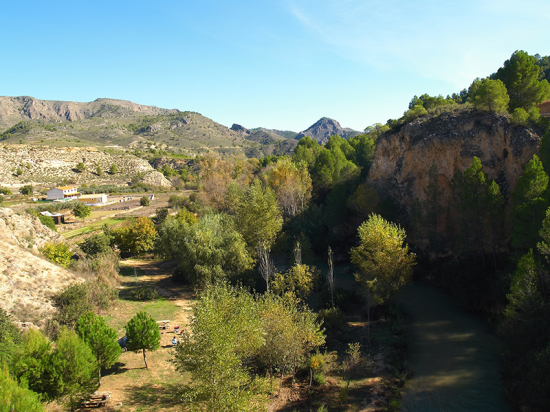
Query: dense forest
(249, 238)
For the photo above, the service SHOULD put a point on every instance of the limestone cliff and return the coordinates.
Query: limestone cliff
(404, 155)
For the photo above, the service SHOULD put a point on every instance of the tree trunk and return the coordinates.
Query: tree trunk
(145, 360)
(99, 376)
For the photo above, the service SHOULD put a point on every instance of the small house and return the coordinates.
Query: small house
(544, 108)
(62, 192)
(58, 218)
(94, 199)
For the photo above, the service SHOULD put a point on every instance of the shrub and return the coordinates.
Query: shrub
(1, 199)
(145, 201)
(520, 116)
(143, 293)
(5, 191)
(78, 299)
(96, 244)
(333, 319)
(48, 222)
(80, 167)
(59, 253)
(26, 190)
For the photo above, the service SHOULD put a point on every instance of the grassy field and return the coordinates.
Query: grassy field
(92, 227)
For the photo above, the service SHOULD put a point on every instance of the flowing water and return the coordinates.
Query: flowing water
(455, 358)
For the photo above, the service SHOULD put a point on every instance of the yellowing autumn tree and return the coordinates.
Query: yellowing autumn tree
(383, 259)
(292, 184)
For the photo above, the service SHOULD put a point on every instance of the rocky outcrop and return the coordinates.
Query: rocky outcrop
(49, 166)
(403, 156)
(324, 128)
(27, 281)
(16, 109)
(241, 130)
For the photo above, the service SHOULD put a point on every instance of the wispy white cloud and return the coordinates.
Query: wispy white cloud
(450, 41)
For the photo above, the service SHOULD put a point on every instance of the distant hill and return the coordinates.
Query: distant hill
(272, 141)
(109, 122)
(324, 128)
(287, 134)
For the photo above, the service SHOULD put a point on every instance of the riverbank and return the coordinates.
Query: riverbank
(454, 356)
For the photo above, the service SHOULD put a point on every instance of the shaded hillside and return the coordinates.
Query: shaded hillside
(107, 122)
(324, 128)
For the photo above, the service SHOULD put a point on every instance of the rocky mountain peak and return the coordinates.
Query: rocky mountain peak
(325, 127)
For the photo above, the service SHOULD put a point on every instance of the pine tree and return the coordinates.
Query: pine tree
(143, 334)
(101, 339)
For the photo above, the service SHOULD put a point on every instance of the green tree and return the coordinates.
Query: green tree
(489, 95)
(59, 253)
(143, 334)
(10, 336)
(30, 362)
(101, 339)
(383, 259)
(70, 370)
(144, 201)
(291, 332)
(414, 113)
(529, 205)
(26, 190)
(47, 221)
(113, 169)
(136, 236)
(162, 214)
(433, 207)
(5, 191)
(81, 210)
(15, 397)
(298, 281)
(520, 74)
(208, 250)
(495, 217)
(80, 167)
(306, 152)
(225, 331)
(72, 303)
(520, 116)
(99, 170)
(524, 288)
(96, 244)
(258, 217)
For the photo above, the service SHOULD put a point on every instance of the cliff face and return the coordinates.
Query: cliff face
(403, 157)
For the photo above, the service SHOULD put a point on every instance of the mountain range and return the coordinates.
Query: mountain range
(124, 124)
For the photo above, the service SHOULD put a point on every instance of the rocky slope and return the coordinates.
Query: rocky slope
(45, 166)
(27, 281)
(109, 122)
(404, 155)
(324, 128)
(16, 109)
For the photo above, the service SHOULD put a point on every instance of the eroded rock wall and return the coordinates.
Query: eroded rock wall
(403, 157)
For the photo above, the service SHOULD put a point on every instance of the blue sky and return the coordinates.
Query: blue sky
(279, 64)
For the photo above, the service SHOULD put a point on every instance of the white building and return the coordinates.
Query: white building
(62, 192)
(94, 199)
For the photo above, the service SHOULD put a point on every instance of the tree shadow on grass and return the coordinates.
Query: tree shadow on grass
(149, 395)
(116, 369)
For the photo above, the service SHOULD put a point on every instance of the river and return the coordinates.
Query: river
(454, 356)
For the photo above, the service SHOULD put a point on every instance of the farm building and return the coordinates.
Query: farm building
(94, 199)
(544, 108)
(62, 192)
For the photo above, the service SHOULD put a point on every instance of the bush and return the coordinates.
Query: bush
(26, 190)
(143, 293)
(333, 319)
(59, 253)
(180, 276)
(102, 267)
(78, 299)
(520, 116)
(48, 222)
(177, 202)
(145, 201)
(5, 191)
(96, 244)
